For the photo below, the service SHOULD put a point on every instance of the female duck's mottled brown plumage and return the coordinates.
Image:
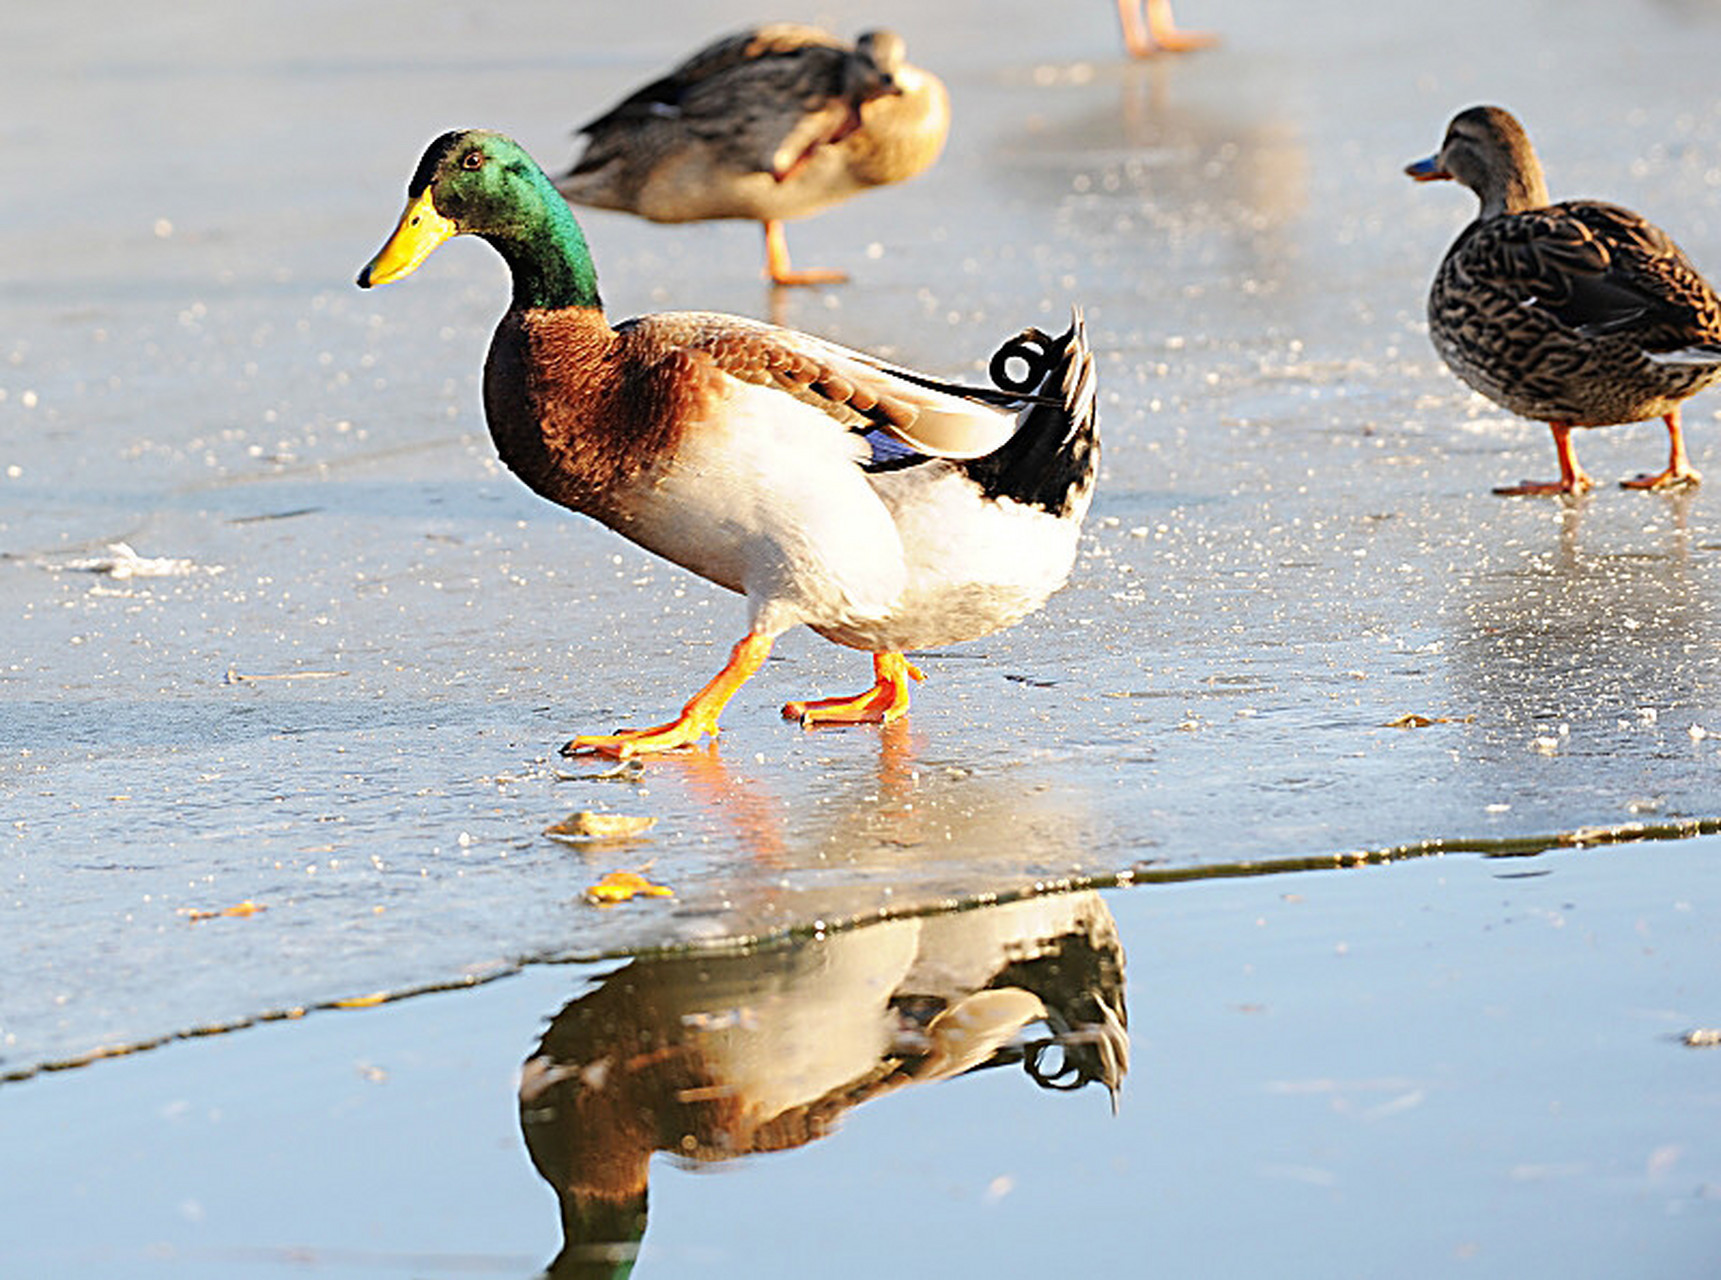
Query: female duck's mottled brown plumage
(772, 123)
(1577, 314)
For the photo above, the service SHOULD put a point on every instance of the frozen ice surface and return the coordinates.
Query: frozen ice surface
(354, 724)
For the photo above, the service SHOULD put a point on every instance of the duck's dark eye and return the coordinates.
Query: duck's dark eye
(472, 160)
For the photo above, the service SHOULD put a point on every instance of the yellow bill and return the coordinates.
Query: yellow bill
(420, 231)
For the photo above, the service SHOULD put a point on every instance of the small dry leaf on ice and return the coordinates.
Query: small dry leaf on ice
(245, 908)
(363, 1002)
(586, 825)
(1411, 720)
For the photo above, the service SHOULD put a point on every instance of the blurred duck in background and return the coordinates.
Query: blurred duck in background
(1577, 314)
(773, 123)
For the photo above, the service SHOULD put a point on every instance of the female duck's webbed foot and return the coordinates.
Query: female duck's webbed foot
(697, 718)
(1580, 484)
(1573, 478)
(887, 700)
(1680, 473)
(1673, 478)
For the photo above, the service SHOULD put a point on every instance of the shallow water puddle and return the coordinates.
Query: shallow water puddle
(1309, 1047)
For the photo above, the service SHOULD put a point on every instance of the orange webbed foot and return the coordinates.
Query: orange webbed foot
(777, 268)
(887, 700)
(1579, 483)
(1672, 478)
(793, 279)
(697, 719)
(1175, 40)
(1573, 479)
(1150, 28)
(1679, 473)
(624, 744)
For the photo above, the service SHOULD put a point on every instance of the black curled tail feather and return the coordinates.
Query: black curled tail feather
(1051, 459)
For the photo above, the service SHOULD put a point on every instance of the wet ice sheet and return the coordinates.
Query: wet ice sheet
(1462, 1064)
(353, 723)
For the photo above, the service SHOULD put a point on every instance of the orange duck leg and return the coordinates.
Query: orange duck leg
(1156, 31)
(1679, 469)
(1572, 477)
(697, 718)
(887, 700)
(777, 260)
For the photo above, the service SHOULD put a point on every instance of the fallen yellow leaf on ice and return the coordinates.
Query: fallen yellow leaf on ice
(245, 908)
(619, 886)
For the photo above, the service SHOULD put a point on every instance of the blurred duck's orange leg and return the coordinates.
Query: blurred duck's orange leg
(777, 260)
(1157, 31)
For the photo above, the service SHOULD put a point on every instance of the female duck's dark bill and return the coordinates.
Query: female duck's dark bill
(1427, 170)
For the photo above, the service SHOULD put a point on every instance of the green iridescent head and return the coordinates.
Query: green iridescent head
(474, 182)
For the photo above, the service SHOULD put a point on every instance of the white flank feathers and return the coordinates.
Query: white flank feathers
(1693, 357)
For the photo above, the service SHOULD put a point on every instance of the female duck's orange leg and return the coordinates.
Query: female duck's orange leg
(1572, 478)
(697, 718)
(1679, 469)
(887, 700)
(777, 260)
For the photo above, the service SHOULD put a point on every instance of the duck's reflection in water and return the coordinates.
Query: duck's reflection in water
(712, 1057)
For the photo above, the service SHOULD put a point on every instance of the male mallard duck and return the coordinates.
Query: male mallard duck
(772, 123)
(1149, 28)
(1577, 314)
(884, 509)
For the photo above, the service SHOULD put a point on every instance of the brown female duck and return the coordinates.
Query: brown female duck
(772, 123)
(1577, 314)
